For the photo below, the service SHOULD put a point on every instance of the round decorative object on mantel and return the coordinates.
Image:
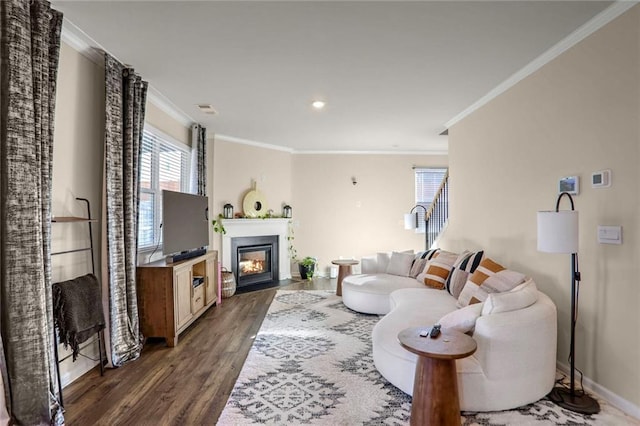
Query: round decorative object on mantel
(286, 211)
(254, 204)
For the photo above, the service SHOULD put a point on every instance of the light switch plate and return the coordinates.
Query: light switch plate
(609, 234)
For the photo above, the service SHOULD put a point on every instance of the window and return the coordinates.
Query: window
(427, 182)
(164, 164)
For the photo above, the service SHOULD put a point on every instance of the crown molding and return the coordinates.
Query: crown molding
(92, 50)
(232, 139)
(252, 143)
(81, 42)
(337, 152)
(163, 103)
(585, 30)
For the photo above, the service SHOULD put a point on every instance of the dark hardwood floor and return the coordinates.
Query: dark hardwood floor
(185, 385)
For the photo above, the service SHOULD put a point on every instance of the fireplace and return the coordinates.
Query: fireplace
(254, 260)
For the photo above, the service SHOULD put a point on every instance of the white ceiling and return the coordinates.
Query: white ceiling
(393, 73)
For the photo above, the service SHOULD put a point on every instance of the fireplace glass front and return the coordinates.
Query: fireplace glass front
(254, 260)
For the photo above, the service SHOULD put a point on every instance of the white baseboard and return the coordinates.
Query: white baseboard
(616, 400)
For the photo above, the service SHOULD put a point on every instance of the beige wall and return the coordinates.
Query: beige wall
(236, 166)
(77, 172)
(577, 115)
(333, 217)
(167, 124)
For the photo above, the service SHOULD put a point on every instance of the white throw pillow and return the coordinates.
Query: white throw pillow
(526, 294)
(383, 262)
(463, 319)
(400, 264)
(369, 265)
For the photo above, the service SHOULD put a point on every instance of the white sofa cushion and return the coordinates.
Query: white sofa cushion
(463, 319)
(526, 294)
(400, 264)
(383, 261)
(369, 293)
(369, 265)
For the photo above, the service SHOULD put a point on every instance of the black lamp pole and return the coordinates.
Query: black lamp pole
(568, 398)
(426, 236)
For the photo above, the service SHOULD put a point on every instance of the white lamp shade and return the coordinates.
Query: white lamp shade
(558, 231)
(410, 221)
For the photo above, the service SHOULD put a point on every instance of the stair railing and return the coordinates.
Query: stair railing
(438, 212)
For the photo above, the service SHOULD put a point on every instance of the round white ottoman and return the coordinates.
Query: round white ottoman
(369, 293)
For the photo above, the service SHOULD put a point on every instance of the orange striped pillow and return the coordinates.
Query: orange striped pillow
(489, 277)
(438, 269)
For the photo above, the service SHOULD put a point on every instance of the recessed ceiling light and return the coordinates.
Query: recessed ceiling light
(318, 104)
(207, 109)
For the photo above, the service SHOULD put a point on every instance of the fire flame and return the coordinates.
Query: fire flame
(252, 266)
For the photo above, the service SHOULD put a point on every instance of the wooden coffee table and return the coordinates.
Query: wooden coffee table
(344, 270)
(435, 389)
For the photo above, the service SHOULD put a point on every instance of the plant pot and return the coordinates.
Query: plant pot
(306, 272)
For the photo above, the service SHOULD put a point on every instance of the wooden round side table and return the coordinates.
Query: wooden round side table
(435, 389)
(344, 270)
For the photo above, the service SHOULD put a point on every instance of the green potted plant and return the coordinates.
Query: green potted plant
(307, 266)
(218, 226)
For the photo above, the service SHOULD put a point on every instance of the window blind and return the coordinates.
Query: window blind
(427, 182)
(164, 164)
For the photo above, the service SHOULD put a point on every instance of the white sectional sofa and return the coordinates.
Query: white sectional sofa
(515, 363)
(369, 291)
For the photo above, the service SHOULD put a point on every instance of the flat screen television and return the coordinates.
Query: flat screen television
(185, 222)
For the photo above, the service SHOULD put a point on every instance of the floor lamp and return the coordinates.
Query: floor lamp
(411, 222)
(558, 233)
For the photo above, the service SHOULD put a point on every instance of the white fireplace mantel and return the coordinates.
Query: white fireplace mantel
(257, 228)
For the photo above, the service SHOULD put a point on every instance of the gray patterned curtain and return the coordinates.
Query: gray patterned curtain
(198, 160)
(29, 45)
(126, 94)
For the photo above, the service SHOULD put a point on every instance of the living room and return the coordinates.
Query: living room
(575, 115)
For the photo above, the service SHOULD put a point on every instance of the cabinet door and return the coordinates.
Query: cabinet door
(183, 288)
(211, 290)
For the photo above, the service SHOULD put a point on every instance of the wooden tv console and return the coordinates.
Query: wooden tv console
(171, 296)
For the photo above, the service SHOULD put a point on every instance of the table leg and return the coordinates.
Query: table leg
(343, 271)
(435, 393)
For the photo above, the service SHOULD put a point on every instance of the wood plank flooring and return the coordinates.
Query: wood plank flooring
(185, 385)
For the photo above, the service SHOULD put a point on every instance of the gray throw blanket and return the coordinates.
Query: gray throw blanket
(77, 310)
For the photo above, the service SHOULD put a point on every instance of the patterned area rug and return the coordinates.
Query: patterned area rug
(311, 363)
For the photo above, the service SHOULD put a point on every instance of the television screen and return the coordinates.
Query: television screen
(185, 223)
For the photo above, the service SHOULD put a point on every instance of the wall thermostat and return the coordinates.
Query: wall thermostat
(601, 179)
(570, 184)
